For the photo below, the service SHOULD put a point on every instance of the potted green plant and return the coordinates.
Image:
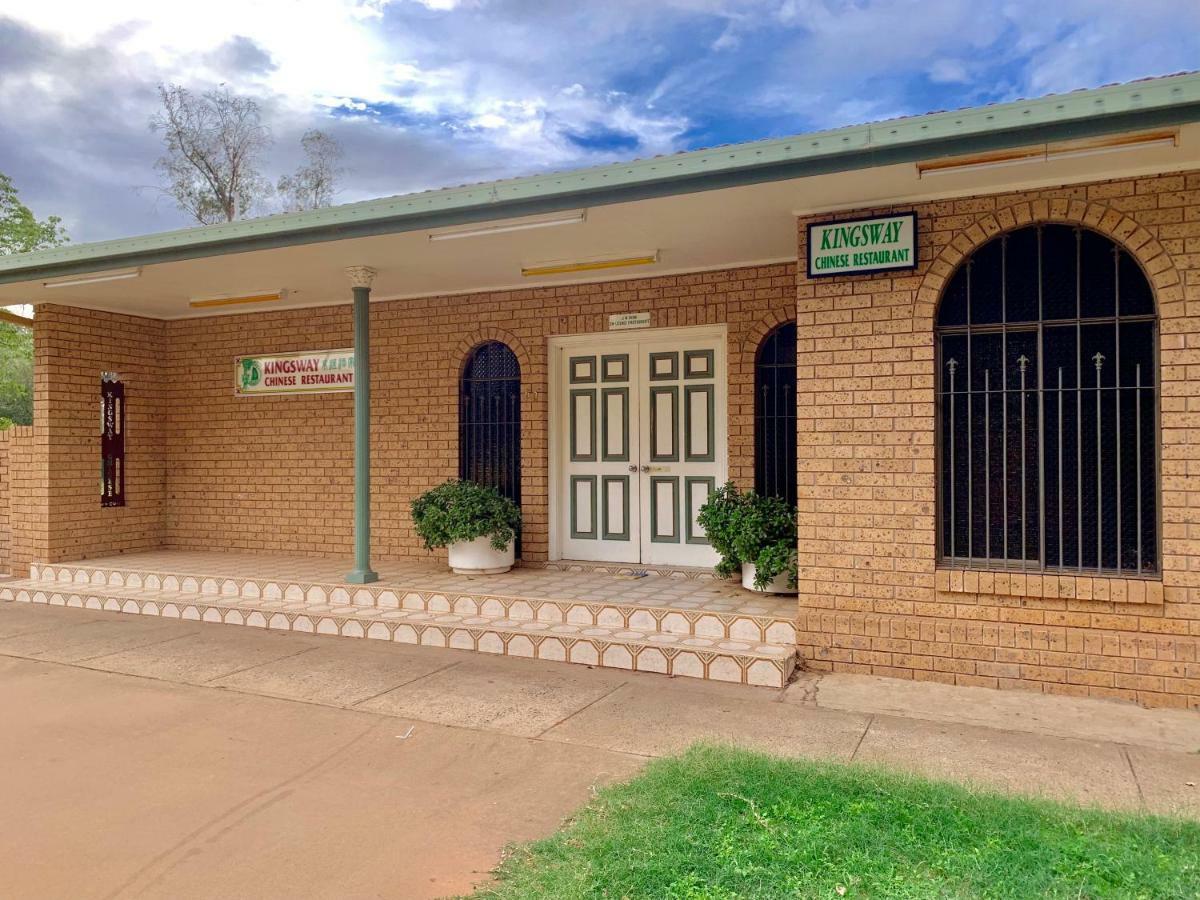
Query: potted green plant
(754, 535)
(477, 525)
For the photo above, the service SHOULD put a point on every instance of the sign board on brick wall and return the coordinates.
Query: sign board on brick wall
(621, 321)
(314, 372)
(861, 246)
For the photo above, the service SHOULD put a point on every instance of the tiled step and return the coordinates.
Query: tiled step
(613, 646)
(752, 620)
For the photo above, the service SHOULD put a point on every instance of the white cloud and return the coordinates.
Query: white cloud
(949, 71)
(425, 92)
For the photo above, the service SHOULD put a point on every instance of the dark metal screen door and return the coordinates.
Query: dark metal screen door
(489, 420)
(112, 441)
(775, 414)
(1048, 407)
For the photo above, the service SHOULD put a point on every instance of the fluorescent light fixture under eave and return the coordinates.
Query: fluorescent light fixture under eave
(232, 299)
(1007, 158)
(75, 281)
(503, 227)
(590, 265)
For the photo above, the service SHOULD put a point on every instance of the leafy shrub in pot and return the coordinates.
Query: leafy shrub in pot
(470, 519)
(746, 528)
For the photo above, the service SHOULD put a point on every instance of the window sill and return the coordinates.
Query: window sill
(1105, 588)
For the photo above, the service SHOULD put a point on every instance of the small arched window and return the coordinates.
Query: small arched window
(1047, 407)
(775, 414)
(489, 419)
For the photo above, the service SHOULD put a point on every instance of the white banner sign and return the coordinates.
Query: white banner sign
(859, 246)
(621, 321)
(316, 372)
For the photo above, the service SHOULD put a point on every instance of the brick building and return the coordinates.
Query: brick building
(965, 345)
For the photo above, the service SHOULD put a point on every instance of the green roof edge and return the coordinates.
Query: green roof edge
(1149, 103)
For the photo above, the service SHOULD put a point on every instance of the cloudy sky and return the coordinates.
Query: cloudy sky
(428, 93)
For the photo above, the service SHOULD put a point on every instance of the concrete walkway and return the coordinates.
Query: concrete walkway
(144, 757)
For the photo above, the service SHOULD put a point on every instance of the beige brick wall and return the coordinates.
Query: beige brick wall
(275, 473)
(24, 495)
(6, 440)
(871, 598)
(71, 348)
(16, 445)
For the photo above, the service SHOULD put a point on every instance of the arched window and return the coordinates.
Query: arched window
(1048, 407)
(775, 414)
(489, 419)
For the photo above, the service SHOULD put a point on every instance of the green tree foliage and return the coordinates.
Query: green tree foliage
(20, 232)
(16, 375)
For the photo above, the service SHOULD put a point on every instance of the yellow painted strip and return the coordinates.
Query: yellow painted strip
(229, 301)
(1050, 151)
(589, 266)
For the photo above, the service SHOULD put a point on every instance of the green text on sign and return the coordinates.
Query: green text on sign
(315, 372)
(859, 246)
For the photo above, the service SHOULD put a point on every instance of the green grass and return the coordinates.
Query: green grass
(717, 823)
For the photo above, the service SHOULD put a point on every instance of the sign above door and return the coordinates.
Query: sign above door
(862, 246)
(621, 321)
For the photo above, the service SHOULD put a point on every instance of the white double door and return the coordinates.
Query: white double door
(642, 442)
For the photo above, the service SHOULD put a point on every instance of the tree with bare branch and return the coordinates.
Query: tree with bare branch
(314, 184)
(214, 145)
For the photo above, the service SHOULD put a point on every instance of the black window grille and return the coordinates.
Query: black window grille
(775, 414)
(1048, 407)
(112, 441)
(489, 419)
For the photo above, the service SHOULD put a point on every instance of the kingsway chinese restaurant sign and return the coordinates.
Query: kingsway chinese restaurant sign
(859, 246)
(320, 371)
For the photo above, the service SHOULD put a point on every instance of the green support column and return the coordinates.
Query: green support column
(361, 279)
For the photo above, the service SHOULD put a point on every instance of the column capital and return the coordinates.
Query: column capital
(361, 276)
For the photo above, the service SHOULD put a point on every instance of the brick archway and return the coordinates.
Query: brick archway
(1112, 223)
(742, 355)
(764, 326)
(483, 336)
(1156, 262)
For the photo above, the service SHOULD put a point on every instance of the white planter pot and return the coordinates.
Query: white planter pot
(479, 557)
(777, 585)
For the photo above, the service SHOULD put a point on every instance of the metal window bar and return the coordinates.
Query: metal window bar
(1041, 423)
(489, 420)
(775, 414)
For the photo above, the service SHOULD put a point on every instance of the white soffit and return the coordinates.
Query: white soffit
(729, 227)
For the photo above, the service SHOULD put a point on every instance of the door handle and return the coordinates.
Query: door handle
(633, 468)
(656, 468)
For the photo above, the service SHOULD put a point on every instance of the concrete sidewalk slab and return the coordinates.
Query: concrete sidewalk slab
(656, 718)
(1169, 782)
(326, 673)
(208, 654)
(1085, 772)
(26, 619)
(423, 816)
(1088, 719)
(94, 637)
(134, 787)
(514, 696)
